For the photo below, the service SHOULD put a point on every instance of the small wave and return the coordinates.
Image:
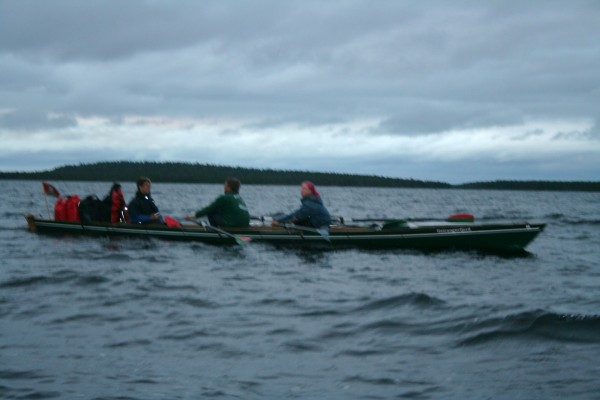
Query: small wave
(198, 303)
(58, 278)
(277, 302)
(571, 219)
(221, 350)
(20, 375)
(282, 332)
(422, 389)
(415, 299)
(213, 393)
(92, 280)
(8, 214)
(158, 259)
(103, 256)
(579, 221)
(130, 343)
(78, 318)
(554, 216)
(538, 324)
(302, 346)
(35, 280)
(27, 394)
(18, 282)
(505, 216)
(386, 325)
(364, 353)
(12, 228)
(319, 313)
(145, 381)
(372, 381)
(186, 335)
(339, 331)
(160, 284)
(6, 392)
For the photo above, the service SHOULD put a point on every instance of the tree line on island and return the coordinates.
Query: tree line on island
(180, 172)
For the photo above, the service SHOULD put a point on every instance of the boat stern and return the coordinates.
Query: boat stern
(31, 226)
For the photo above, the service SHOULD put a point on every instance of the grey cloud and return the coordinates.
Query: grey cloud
(426, 118)
(32, 121)
(594, 132)
(96, 30)
(422, 67)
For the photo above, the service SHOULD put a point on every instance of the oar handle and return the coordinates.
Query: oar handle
(262, 218)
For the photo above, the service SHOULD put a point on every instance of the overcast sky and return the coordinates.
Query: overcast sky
(453, 91)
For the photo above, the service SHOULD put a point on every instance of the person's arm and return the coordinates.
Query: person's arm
(137, 217)
(298, 215)
(215, 205)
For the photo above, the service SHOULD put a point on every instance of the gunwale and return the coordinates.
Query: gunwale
(496, 236)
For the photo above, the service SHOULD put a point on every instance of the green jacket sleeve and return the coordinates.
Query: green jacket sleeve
(215, 205)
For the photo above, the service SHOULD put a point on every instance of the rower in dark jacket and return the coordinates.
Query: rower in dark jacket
(142, 209)
(312, 212)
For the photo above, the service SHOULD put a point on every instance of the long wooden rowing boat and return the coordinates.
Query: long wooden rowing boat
(426, 235)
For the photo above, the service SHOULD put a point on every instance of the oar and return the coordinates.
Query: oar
(463, 217)
(241, 240)
(322, 232)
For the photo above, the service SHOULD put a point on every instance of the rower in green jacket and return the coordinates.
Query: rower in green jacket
(228, 210)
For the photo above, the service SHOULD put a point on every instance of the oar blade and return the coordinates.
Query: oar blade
(242, 240)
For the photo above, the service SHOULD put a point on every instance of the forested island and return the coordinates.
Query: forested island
(179, 172)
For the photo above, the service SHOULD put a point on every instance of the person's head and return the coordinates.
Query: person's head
(232, 185)
(116, 187)
(308, 188)
(143, 185)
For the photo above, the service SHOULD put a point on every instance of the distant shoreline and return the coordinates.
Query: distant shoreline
(174, 172)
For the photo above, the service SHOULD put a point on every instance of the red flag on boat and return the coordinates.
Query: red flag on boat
(50, 190)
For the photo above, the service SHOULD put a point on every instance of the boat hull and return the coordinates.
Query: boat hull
(467, 236)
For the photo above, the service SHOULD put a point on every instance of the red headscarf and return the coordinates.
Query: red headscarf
(312, 188)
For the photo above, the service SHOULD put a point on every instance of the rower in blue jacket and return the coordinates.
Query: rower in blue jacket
(312, 213)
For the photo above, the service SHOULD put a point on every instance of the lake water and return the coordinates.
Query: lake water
(100, 318)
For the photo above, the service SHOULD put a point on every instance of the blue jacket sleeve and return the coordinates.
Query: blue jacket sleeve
(298, 215)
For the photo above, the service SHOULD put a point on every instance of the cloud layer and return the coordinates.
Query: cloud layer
(426, 90)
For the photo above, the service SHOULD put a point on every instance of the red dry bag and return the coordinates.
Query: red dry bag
(73, 208)
(60, 209)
